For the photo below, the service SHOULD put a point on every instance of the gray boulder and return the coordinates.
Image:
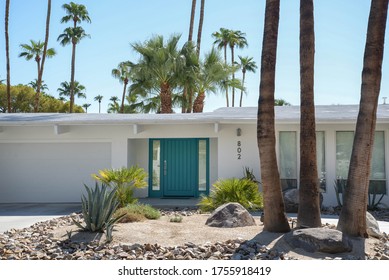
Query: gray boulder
(230, 215)
(319, 240)
(373, 229)
(291, 200)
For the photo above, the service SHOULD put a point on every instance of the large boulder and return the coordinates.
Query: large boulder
(373, 229)
(323, 240)
(230, 215)
(291, 200)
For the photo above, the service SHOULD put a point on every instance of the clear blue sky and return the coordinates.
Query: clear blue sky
(340, 28)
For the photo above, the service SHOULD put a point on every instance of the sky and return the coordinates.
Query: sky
(340, 33)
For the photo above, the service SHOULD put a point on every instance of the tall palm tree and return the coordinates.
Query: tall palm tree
(35, 51)
(159, 68)
(114, 106)
(246, 64)
(99, 98)
(236, 39)
(40, 73)
(72, 36)
(191, 22)
(76, 13)
(86, 106)
(221, 41)
(66, 90)
(275, 219)
(123, 73)
(200, 29)
(7, 4)
(309, 191)
(352, 219)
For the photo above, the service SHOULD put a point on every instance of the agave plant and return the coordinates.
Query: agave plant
(123, 181)
(243, 191)
(98, 208)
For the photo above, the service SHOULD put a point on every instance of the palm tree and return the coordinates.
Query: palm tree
(352, 219)
(99, 98)
(309, 191)
(7, 4)
(66, 90)
(236, 39)
(275, 219)
(212, 72)
(191, 23)
(34, 85)
(123, 73)
(200, 30)
(40, 72)
(35, 50)
(73, 35)
(159, 68)
(114, 106)
(221, 41)
(281, 102)
(86, 106)
(246, 64)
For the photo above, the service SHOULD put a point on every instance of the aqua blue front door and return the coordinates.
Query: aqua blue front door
(178, 167)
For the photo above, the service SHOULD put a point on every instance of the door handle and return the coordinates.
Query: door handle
(164, 167)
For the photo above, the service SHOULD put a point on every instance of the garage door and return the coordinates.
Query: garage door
(49, 172)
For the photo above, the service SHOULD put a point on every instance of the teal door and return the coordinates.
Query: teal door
(178, 167)
(179, 162)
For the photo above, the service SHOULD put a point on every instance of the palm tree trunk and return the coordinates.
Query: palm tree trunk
(99, 107)
(241, 92)
(72, 77)
(352, 220)
(192, 16)
(225, 61)
(7, 4)
(309, 192)
(200, 30)
(40, 70)
(123, 97)
(184, 105)
(166, 99)
(233, 76)
(190, 101)
(275, 219)
(198, 104)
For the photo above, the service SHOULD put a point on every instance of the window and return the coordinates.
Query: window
(288, 159)
(344, 145)
(202, 165)
(321, 160)
(156, 179)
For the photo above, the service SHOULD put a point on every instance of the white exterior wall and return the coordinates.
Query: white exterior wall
(128, 145)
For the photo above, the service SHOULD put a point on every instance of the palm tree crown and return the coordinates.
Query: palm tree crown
(34, 50)
(76, 13)
(246, 64)
(99, 98)
(123, 73)
(65, 89)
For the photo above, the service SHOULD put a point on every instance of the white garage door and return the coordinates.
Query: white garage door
(49, 172)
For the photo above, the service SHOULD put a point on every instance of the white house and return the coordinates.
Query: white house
(48, 157)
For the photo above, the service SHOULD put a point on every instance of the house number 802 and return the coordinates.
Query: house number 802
(239, 149)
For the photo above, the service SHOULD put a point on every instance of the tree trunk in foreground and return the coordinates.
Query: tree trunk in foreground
(275, 219)
(352, 220)
(7, 3)
(309, 192)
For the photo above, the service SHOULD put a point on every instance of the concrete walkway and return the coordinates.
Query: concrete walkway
(20, 216)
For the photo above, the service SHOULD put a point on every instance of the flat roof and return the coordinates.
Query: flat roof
(284, 114)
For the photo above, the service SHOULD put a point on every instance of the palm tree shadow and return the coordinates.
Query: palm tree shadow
(278, 248)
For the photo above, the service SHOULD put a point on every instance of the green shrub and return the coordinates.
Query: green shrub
(137, 212)
(243, 191)
(98, 208)
(124, 181)
(176, 219)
